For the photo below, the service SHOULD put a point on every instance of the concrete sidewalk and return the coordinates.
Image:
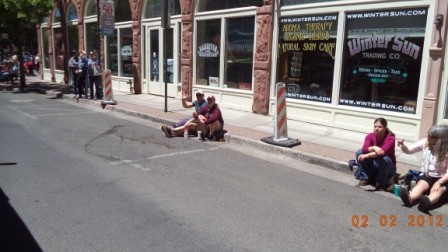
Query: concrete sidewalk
(321, 145)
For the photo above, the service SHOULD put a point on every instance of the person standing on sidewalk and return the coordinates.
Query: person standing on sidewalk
(82, 73)
(94, 72)
(433, 176)
(37, 64)
(73, 66)
(376, 159)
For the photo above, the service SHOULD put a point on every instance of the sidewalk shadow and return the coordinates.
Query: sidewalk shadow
(14, 235)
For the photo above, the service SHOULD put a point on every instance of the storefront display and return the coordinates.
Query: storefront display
(209, 45)
(238, 60)
(307, 46)
(45, 55)
(126, 52)
(382, 59)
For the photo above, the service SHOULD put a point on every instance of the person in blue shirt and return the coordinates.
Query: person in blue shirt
(93, 71)
(81, 73)
(189, 122)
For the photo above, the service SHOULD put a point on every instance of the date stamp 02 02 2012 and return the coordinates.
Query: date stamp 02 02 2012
(390, 221)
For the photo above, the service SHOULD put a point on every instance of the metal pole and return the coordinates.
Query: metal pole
(98, 28)
(165, 33)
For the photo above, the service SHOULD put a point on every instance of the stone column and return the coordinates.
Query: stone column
(50, 49)
(435, 70)
(39, 50)
(79, 9)
(262, 62)
(136, 6)
(187, 7)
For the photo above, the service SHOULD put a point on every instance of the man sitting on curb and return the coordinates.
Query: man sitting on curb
(189, 122)
(210, 119)
(199, 103)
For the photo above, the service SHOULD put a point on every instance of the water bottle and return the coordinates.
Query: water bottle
(186, 132)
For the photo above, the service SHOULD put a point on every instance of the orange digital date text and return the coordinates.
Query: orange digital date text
(390, 221)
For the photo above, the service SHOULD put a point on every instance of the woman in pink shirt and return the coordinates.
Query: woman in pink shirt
(434, 172)
(376, 159)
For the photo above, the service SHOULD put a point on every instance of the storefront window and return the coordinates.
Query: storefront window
(238, 60)
(212, 5)
(154, 47)
(56, 16)
(382, 59)
(59, 50)
(72, 36)
(126, 52)
(153, 8)
(112, 48)
(297, 2)
(91, 37)
(91, 8)
(122, 11)
(72, 28)
(72, 14)
(169, 57)
(209, 44)
(45, 57)
(306, 50)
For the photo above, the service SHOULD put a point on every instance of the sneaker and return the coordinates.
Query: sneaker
(167, 131)
(425, 203)
(211, 138)
(363, 182)
(404, 195)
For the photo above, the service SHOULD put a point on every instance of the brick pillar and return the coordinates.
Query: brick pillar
(262, 62)
(39, 50)
(187, 7)
(435, 68)
(136, 6)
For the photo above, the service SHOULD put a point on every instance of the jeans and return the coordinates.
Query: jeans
(381, 167)
(96, 80)
(74, 83)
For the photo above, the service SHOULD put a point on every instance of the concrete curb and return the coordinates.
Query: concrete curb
(295, 154)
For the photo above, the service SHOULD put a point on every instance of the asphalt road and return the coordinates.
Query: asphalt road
(94, 180)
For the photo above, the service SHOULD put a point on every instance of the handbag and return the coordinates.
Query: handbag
(97, 71)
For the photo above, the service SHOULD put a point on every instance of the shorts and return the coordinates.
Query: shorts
(430, 180)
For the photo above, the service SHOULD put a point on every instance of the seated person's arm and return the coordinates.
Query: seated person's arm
(213, 117)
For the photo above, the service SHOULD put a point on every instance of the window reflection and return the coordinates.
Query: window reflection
(59, 50)
(239, 53)
(44, 58)
(209, 48)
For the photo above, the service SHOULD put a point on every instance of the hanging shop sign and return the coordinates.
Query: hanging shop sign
(107, 18)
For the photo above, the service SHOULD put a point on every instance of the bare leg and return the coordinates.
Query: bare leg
(215, 126)
(418, 190)
(435, 196)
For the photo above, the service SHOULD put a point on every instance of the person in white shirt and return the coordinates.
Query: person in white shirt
(433, 176)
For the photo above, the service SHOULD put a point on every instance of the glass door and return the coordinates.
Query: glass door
(155, 62)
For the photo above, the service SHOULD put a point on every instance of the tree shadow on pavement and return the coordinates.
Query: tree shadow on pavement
(14, 234)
